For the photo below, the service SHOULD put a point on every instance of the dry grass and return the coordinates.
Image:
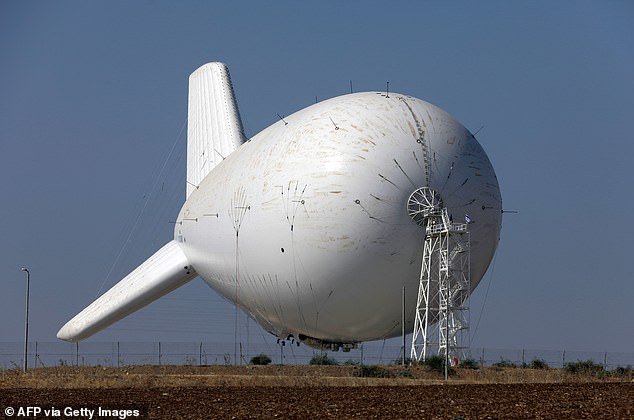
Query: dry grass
(65, 377)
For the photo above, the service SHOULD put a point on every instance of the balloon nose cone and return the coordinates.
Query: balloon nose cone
(67, 333)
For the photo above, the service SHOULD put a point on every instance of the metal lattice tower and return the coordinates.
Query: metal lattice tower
(442, 312)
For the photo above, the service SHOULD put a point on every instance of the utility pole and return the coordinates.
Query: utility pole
(403, 326)
(26, 321)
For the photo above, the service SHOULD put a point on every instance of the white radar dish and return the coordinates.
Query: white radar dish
(423, 202)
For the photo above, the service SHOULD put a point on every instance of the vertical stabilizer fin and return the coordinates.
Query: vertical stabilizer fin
(163, 272)
(214, 128)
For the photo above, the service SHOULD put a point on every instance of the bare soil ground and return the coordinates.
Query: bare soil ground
(189, 392)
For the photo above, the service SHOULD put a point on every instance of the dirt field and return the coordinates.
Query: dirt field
(317, 392)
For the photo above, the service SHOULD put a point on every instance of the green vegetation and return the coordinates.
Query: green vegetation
(404, 374)
(373, 372)
(469, 364)
(505, 363)
(538, 364)
(622, 372)
(436, 363)
(585, 367)
(322, 359)
(260, 359)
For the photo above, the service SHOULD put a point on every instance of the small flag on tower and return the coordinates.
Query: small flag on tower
(467, 218)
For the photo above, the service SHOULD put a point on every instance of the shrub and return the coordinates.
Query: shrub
(260, 359)
(504, 363)
(373, 372)
(437, 363)
(404, 374)
(434, 362)
(469, 364)
(351, 362)
(538, 364)
(622, 371)
(322, 359)
(584, 366)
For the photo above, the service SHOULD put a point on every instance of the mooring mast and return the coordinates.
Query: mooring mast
(442, 312)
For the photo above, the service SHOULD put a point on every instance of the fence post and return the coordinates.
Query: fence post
(605, 360)
(482, 358)
(36, 356)
(523, 358)
(563, 359)
(77, 353)
(118, 355)
(159, 353)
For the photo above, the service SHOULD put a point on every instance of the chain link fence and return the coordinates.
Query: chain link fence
(116, 354)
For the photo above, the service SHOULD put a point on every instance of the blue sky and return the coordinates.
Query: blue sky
(93, 101)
